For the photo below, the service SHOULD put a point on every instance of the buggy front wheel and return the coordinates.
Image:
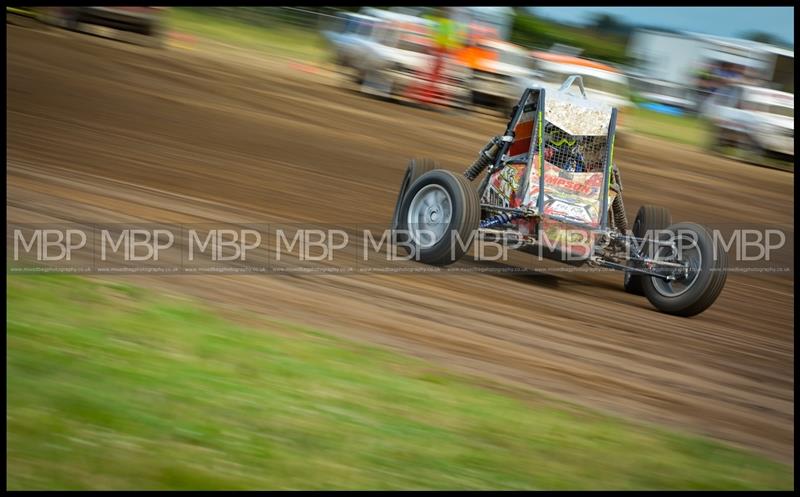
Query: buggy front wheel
(439, 217)
(416, 168)
(697, 285)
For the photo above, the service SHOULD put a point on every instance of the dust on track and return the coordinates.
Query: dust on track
(102, 131)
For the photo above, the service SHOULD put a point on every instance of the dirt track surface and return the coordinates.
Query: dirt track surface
(102, 131)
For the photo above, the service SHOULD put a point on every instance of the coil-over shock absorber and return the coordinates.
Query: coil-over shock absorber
(618, 209)
(617, 206)
(500, 219)
(485, 158)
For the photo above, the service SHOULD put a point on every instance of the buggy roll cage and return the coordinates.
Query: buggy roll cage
(533, 98)
(537, 94)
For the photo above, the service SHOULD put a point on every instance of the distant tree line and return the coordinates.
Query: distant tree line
(767, 38)
(605, 38)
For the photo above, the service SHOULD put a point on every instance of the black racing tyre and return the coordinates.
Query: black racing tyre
(748, 150)
(416, 168)
(649, 218)
(698, 287)
(377, 83)
(717, 141)
(437, 207)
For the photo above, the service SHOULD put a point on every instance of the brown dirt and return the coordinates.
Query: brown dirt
(102, 131)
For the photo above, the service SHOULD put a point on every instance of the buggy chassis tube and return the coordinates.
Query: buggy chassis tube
(530, 246)
(575, 77)
(498, 161)
(607, 171)
(553, 253)
(623, 267)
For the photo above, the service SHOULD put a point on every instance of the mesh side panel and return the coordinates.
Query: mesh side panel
(573, 175)
(573, 153)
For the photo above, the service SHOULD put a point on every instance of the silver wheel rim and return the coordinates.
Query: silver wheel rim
(429, 215)
(691, 257)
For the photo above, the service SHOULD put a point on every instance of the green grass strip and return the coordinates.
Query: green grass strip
(112, 387)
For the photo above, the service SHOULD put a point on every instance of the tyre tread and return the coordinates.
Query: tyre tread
(653, 217)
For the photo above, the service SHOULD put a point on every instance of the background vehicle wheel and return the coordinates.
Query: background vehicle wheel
(747, 150)
(416, 168)
(702, 282)
(717, 142)
(72, 18)
(376, 83)
(60, 17)
(438, 204)
(649, 217)
(46, 16)
(156, 35)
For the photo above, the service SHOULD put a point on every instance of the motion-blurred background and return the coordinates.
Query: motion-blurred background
(309, 115)
(729, 94)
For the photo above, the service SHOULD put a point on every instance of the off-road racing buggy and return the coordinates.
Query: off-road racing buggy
(551, 188)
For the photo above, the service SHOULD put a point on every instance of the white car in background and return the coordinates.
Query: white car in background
(756, 120)
(348, 35)
(400, 53)
(499, 74)
(382, 50)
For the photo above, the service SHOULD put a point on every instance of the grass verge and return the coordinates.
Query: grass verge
(693, 131)
(688, 130)
(111, 387)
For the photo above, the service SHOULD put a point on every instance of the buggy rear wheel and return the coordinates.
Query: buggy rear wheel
(650, 218)
(439, 216)
(696, 286)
